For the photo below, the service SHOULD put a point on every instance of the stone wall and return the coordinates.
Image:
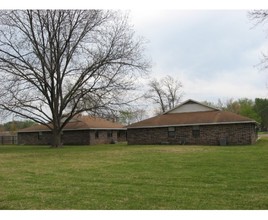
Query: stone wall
(122, 136)
(32, 138)
(229, 134)
(107, 136)
(76, 137)
(79, 137)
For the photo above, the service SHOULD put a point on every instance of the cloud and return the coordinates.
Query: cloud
(213, 52)
(227, 85)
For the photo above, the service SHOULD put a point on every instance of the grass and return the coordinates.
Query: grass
(134, 177)
(262, 132)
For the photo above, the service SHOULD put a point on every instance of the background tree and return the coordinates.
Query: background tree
(247, 108)
(243, 106)
(261, 107)
(17, 125)
(51, 61)
(166, 93)
(130, 115)
(219, 105)
(232, 106)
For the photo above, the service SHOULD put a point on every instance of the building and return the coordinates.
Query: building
(81, 130)
(194, 123)
(7, 137)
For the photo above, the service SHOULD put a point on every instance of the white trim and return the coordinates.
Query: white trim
(194, 124)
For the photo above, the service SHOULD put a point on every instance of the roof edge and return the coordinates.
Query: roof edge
(81, 129)
(195, 124)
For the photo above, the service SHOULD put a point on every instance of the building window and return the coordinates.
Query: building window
(109, 134)
(96, 134)
(121, 134)
(171, 131)
(196, 131)
(40, 134)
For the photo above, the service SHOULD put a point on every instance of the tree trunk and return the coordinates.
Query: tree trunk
(56, 141)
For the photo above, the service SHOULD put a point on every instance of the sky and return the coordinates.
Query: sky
(214, 53)
(211, 46)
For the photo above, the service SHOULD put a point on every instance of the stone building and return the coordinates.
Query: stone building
(7, 137)
(81, 130)
(196, 124)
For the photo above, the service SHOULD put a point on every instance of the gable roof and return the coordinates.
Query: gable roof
(81, 123)
(192, 113)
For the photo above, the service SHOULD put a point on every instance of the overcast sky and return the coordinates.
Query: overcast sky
(214, 53)
(211, 47)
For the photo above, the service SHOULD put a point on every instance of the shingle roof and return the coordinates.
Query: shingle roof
(192, 118)
(81, 123)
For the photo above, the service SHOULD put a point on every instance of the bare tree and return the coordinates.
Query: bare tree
(260, 17)
(56, 64)
(166, 93)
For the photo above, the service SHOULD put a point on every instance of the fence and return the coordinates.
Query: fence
(11, 139)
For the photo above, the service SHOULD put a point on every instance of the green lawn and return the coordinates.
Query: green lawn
(134, 177)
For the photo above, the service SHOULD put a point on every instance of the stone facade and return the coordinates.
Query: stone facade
(74, 137)
(219, 134)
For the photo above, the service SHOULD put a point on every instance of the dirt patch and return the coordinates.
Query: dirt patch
(262, 135)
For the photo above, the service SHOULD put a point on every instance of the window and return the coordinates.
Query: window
(109, 134)
(96, 134)
(40, 134)
(196, 131)
(120, 134)
(171, 131)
